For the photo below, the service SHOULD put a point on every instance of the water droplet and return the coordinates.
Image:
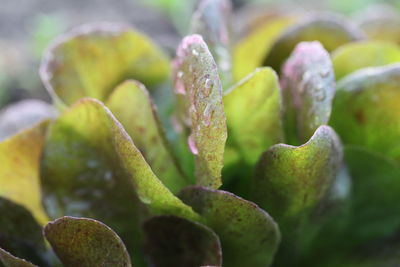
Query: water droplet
(325, 72)
(319, 93)
(179, 74)
(108, 175)
(208, 84)
(207, 115)
(192, 145)
(180, 87)
(195, 53)
(192, 109)
(92, 163)
(97, 193)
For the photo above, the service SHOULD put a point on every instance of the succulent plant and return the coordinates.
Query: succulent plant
(279, 149)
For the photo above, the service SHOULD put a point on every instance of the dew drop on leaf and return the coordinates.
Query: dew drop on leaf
(192, 145)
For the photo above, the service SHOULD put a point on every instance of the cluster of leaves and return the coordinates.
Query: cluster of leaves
(248, 172)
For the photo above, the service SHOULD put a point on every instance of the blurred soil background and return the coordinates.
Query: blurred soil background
(28, 26)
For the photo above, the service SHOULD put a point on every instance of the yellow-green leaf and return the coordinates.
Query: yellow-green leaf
(250, 51)
(366, 109)
(253, 112)
(92, 59)
(353, 56)
(19, 172)
(132, 106)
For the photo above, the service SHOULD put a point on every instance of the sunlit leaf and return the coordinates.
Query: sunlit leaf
(212, 21)
(330, 31)
(249, 236)
(173, 241)
(9, 260)
(366, 109)
(199, 91)
(92, 59)
(91, 168)
(86, 242)
(250, 52)
(19, 172)
(308, 86)
(20, 235)
(291, 181)
(353, 56)
(253, 112)
(131, 104)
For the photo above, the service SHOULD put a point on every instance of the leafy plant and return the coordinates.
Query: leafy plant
(248, 172)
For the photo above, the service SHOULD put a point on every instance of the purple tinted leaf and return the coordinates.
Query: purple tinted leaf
(86, 242)
(308, 86)
(199, 92)
(174, 241)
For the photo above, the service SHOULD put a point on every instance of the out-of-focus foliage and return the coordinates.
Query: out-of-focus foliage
(286, 147)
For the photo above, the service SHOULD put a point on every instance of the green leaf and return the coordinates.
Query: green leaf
(249, 236)
(97, 145)
(308, 86)
(375, 194)
(330, 31)
(20, 235)
(11, 261)
(199, 93)
(250, 52)
(132, 106)
(212, 21)
(291, 181)
(382, 252)
(91, 168)
(353, 56)
(86, 242)
(366, 109)
(253, 112)
(92, 59)
(173, 241)
(19, 172)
